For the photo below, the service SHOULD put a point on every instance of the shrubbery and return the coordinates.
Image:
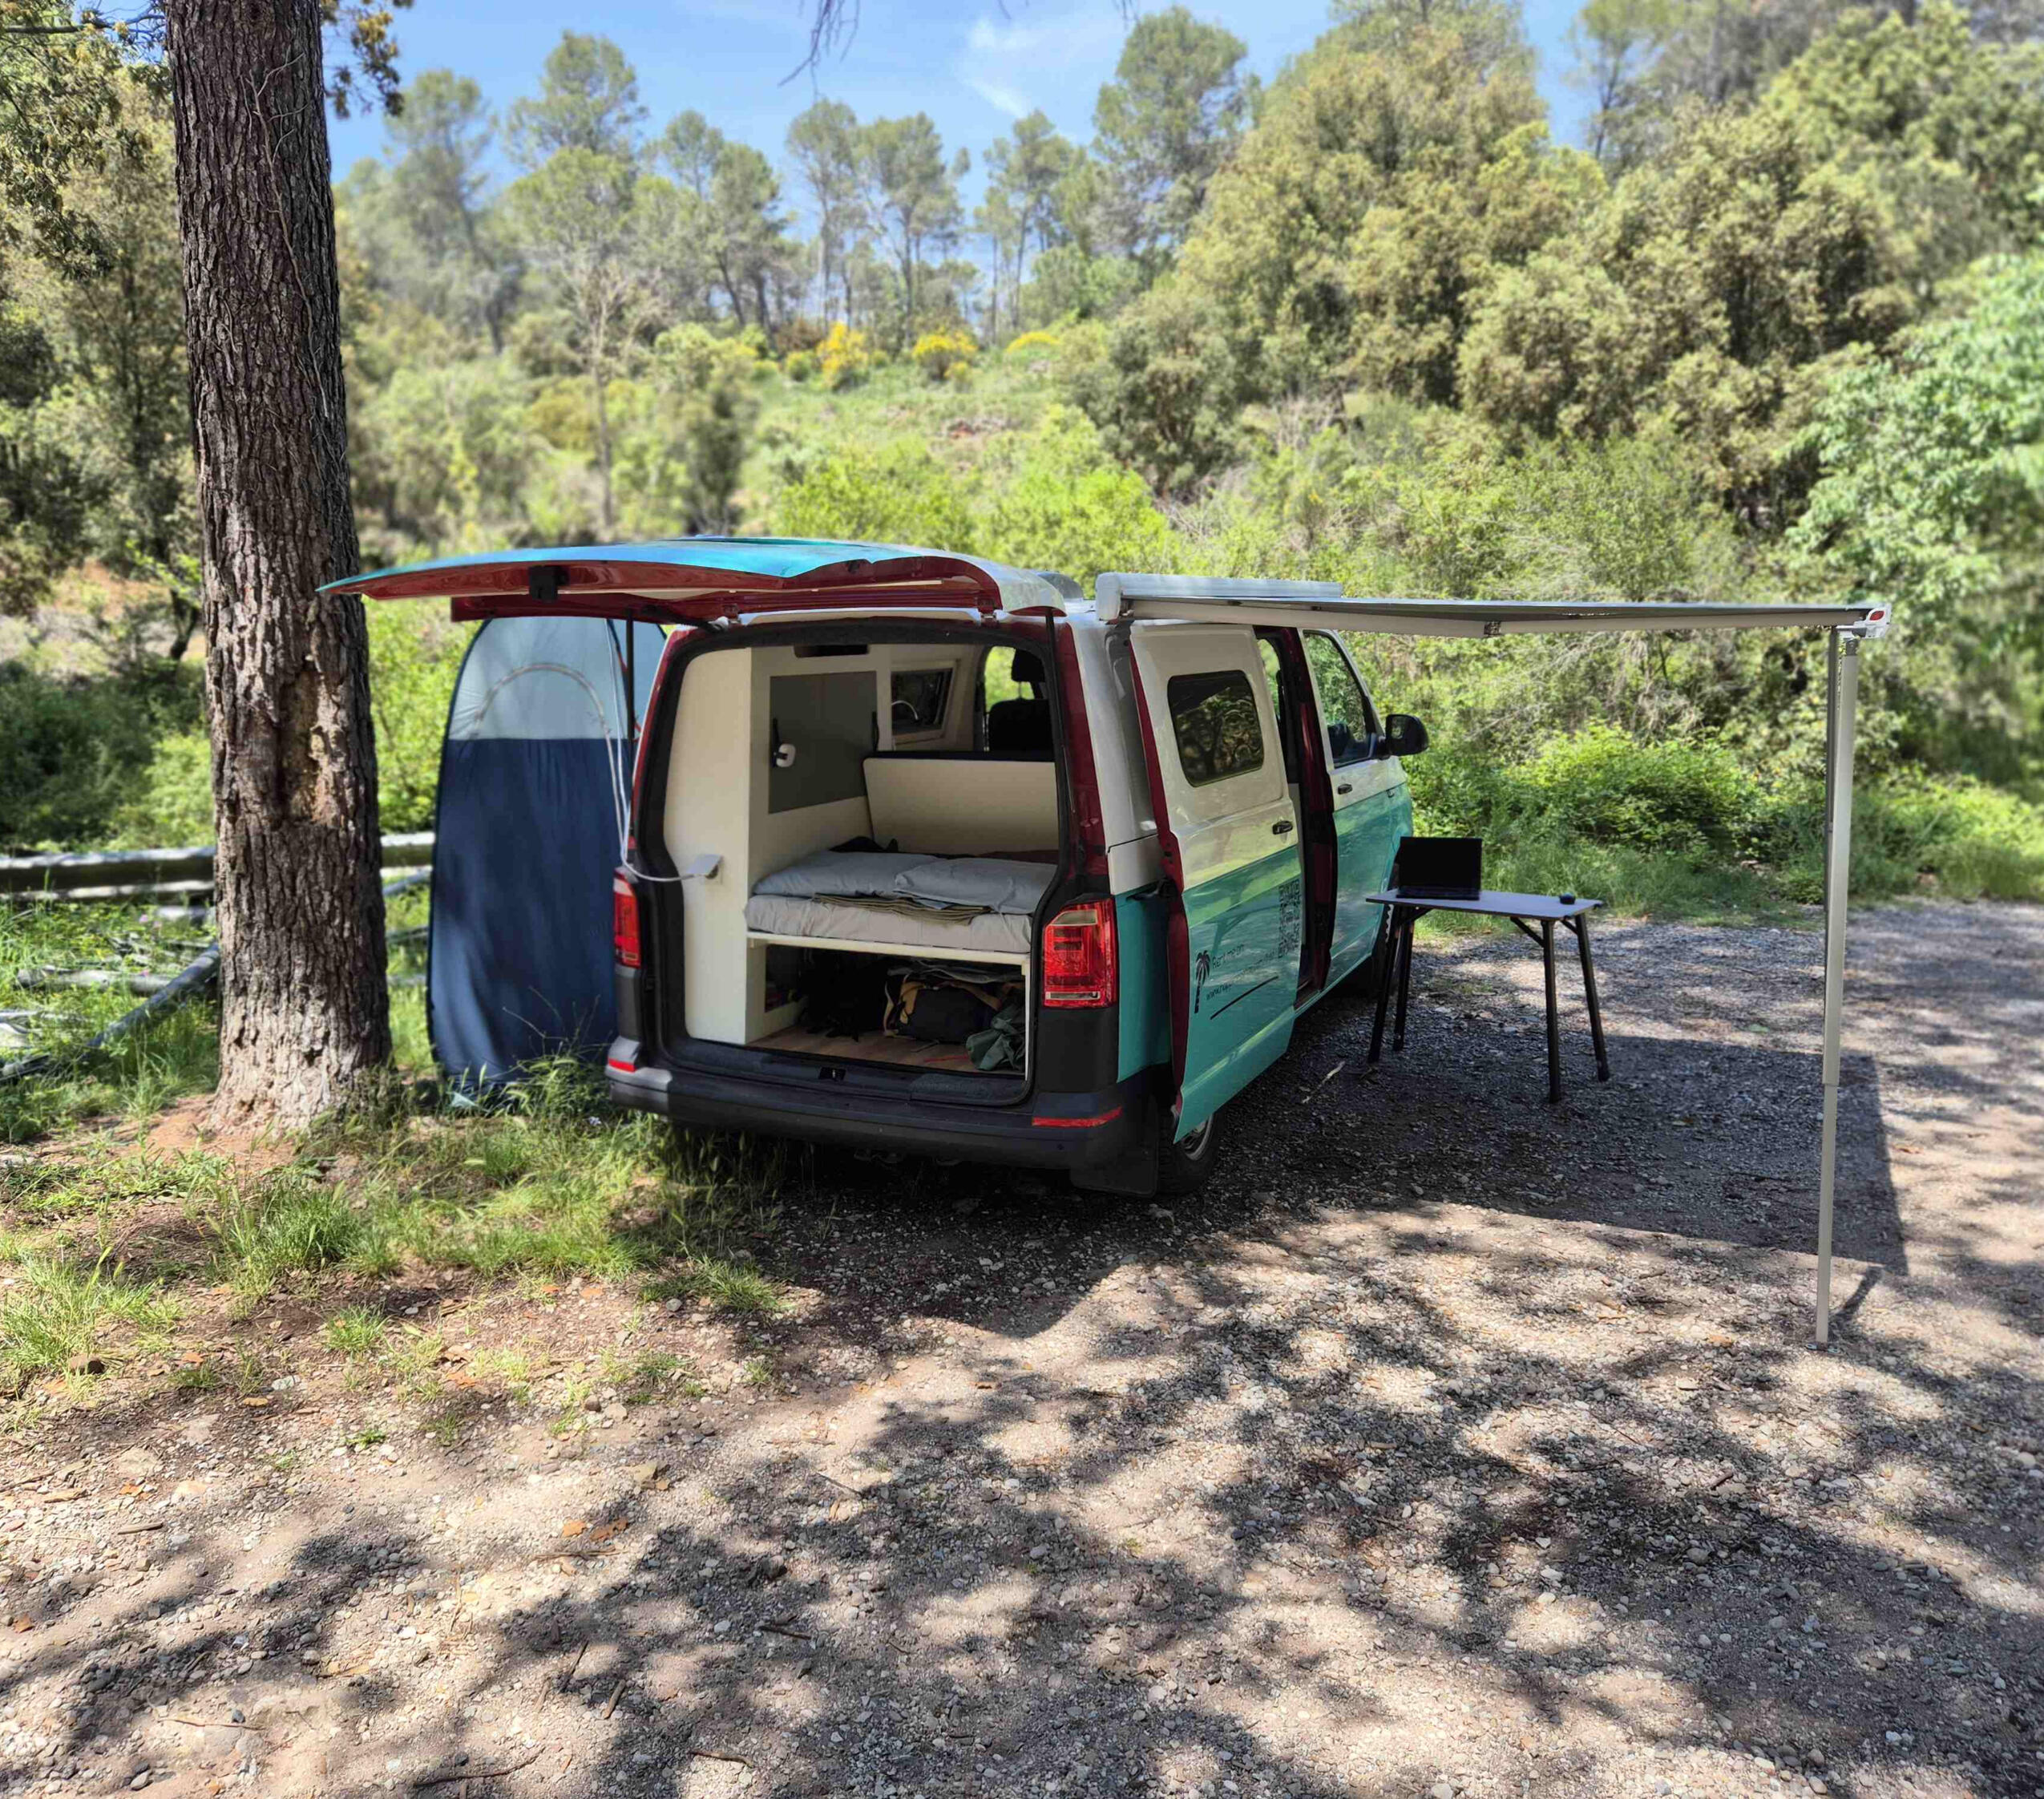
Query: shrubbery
(945, 355)
(846, 356)
(1679, 821)
(71, 751)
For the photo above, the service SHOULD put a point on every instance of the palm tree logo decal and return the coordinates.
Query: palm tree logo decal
(1201, 969)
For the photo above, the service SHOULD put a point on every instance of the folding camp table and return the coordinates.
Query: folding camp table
(1402, 912)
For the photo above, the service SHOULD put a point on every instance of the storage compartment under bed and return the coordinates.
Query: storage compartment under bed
(938, 1015)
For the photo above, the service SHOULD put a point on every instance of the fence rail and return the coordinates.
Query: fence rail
(163, 991)
(155, 874)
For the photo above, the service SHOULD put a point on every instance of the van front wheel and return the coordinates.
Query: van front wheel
(1183, 1166)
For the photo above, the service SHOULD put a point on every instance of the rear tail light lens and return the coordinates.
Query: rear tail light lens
(624, 922)
(1079, 956)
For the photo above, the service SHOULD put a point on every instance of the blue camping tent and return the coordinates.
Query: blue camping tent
(534, 776)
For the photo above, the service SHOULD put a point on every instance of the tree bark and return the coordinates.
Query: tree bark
(304, 1006)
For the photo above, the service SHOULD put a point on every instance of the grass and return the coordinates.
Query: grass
(550, 1185)
(357, 1332)
(730, 1287)
(171, 1055)
(55, 1314)
(287, 1223)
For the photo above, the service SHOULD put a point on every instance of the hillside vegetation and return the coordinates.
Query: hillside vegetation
(1777, 330)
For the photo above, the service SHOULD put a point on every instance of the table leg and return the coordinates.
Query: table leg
(1589, 994)
(1553, 1018)
(1404, 982)
(1386, 977)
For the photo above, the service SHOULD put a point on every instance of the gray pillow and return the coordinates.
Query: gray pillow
(853, 874)
(1000, 887)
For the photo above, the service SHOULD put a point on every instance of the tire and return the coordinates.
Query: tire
(1185, 1167)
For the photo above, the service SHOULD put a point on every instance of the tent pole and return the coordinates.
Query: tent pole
(1841, 698)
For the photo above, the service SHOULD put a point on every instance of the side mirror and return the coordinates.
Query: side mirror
(1403, 735)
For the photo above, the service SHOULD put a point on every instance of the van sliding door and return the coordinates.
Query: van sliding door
(1230, 848)
(1371, 812)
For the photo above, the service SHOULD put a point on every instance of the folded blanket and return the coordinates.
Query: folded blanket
(938, 911)
(1000, 887)
(856, 873)
(972, 884)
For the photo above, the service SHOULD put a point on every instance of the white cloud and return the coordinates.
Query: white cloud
(1001, 99)
(1003, 54)
(1082, 36)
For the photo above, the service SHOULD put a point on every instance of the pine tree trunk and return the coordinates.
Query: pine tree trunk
(305, 1008)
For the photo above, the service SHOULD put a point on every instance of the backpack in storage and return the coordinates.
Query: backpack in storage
(934, 1005)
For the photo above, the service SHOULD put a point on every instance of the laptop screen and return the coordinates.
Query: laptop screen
(1446, 867)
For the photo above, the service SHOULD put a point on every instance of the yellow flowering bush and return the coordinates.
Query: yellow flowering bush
(845, 356)
(937, 354)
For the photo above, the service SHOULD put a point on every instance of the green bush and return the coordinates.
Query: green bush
(71, 751)
(901, 495)
(1164, 386)
(1677, 795)
(1064, 505)
(173, 803)
(1686, 825)
(942, 355)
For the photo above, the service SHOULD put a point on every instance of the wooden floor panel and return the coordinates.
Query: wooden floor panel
(871, 1046)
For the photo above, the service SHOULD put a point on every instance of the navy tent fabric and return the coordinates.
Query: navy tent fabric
(533, 778)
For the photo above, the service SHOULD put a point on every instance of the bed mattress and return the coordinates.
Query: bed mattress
(791, 916)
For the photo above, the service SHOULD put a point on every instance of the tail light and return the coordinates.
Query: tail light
(625, 921)
(1079, 956)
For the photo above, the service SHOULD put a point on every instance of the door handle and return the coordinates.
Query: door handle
(1346, 787)
(1282, 828)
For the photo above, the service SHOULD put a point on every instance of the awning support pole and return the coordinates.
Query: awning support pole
(1841, 701)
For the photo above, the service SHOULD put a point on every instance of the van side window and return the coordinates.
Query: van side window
(1214, 718)
(1345, 709)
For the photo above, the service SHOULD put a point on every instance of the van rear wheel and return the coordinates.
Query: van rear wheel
(1184, 1166)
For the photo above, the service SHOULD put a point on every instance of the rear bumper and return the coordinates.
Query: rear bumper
(1105, 1141)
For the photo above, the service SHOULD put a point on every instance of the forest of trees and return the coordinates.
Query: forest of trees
(1776, 325)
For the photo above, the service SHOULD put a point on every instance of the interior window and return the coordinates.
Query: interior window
(922, 698)
(1344, 708)
(1214, 718)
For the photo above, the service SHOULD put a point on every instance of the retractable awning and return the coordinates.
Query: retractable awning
(1323, 606)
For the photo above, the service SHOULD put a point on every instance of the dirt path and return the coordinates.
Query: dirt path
(1450, 1444)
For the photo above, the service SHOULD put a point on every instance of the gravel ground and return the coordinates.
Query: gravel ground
(1450, 1444)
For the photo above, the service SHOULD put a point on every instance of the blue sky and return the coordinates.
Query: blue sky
(974, 69)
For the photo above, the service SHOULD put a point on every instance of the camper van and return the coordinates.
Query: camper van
(928, 854)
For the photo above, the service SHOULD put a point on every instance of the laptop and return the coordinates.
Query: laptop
(1440, 867)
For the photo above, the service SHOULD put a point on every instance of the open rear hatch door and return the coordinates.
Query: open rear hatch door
(700, 580)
